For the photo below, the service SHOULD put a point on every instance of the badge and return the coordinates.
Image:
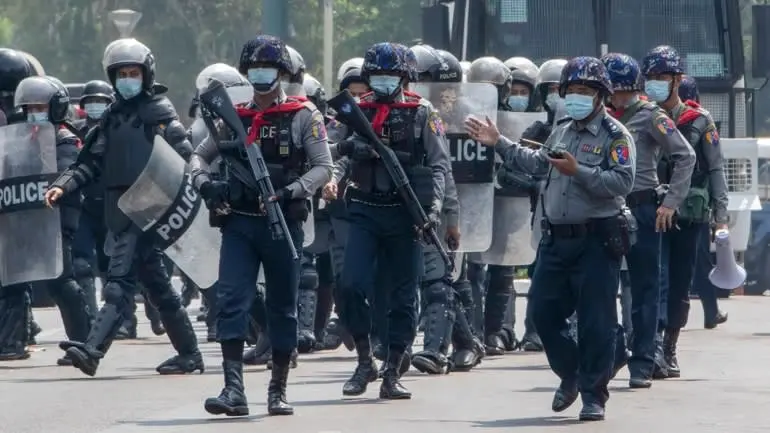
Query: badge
(436, 124)
(665, 125)
(620, 152)
(712, 136)
(589, 148)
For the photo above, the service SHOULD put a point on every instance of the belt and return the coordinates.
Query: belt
(641, 198)
(571, 231)
(372, 198)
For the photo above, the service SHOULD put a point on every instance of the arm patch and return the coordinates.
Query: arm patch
(665, 125)
(620, 152)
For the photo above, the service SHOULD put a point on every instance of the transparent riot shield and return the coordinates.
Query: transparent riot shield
(322, 227)
(30, 233)
(162, 201)
(473, 165)
(308, 227)
(512, 242)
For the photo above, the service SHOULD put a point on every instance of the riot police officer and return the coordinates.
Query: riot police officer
(706, 199)
(298, 138)
(293, 85)
(589, 162)
(117, 151)
(654, 133)
(43, 101)
(381, 229)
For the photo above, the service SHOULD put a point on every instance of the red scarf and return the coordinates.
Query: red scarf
(383, 110)
(291, 105)
(690, 113)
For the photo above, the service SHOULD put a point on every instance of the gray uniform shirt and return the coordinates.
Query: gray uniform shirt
(308, 131)
(606, 159)
(653, 131)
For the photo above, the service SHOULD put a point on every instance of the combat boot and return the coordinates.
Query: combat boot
(127, 330)
(659, 366)
(495, 346)
(391, 388)
(468, 349)
(85, 356)
(75, 314)
(670, 339)
(232, 400)
(153, 315)
(438, 332)
(276, 389)
(14, 327)
(292, 361)
(306, 306)
(261, 353)
(182, 336)
(366, 370)
(531, 342)
(34, 330)
(335, 328)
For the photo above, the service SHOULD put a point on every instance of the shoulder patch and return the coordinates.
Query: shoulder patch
(620, 152)
(435, 123)
(317, 126)
(712, 135)
(664, 124)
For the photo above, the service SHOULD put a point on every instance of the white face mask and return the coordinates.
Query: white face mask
(94, 110)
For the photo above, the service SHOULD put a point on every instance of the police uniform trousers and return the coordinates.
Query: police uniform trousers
(497, 286)
(88, 248)
(678, 252)
(69, 296)
(381, 240)
(566, 282)
(643, 261)
(15, 303)
(326, 283)
(247, 244)
(702, 286)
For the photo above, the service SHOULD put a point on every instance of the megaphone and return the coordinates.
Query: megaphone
(727, 274)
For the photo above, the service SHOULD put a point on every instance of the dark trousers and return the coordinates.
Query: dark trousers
(644, 277)
(578, 275)
(678, 252)
(69, 296)
(704, 263)
(247, 244)
(381, 239)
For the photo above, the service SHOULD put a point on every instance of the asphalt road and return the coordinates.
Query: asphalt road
(724, 388)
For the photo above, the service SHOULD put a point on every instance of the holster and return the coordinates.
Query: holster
(615, 235)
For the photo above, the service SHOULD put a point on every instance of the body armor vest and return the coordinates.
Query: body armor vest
(128, 148)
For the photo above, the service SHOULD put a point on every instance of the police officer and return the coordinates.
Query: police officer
(381, 230)
(18, 328)
(702, 286)
(513, 95)
(116, 151)
(437, 293)
(654, 132)
(42, 101)
(292, 134)
(293, 85)
(707, 197)
(589, 161)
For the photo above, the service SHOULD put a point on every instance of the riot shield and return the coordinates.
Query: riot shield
(308, 227)
(30, 233)
(322, 230)
(163, 202)
(473, 165)
(512, 242)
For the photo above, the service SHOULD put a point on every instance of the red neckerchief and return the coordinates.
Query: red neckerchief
(690, 112)
(618, 113)
(383, 110)
(290, 105)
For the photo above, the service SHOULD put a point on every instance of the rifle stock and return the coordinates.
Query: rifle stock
(349, 113)
(214, 98)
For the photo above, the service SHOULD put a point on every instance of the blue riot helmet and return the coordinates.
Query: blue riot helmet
(42, 91)
(661, 62)
(493, 71)
(129, 52)
(625, 76)
(587, 71)
(524, 72)
(388, 66)
(688, 89)
(263, 61)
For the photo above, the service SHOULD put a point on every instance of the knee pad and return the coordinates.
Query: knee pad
(115, 294)
(164, 300)
(82, 268)
(308, 278)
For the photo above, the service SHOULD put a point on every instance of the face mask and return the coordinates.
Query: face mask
(579, 106)
(128, 87)
(518, 103)
(264, 80)
(657, 90)
(37, 118)
(95, 110)
(384, 84)
(553, 101)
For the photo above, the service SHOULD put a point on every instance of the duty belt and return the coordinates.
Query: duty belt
(572, 231)
(372, 198)
(641, 198)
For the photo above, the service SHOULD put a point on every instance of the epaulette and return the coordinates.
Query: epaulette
(563, 120)
(612, 127)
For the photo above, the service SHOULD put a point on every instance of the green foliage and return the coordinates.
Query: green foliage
(69, 36)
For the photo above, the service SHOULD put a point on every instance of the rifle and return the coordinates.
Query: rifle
(351, 115)
(215, 99)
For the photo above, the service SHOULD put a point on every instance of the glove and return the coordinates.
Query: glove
(216, 194)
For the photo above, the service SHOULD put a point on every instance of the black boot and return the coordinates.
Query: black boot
(76, 317)
(189, 291)
(34, 330)
(468, 349)
(85, 356)
(261, 353)
(365, 372)
(14, 326)
(670, 339)
(292, 361)
(531, 342)
(336, 329)
(153, 315)
(391, 388)
(182, 336)
(276, 390)
(232, 400)
(306, 306)
(439, 320)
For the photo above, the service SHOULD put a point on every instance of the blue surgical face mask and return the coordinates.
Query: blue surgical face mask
(554, 101)
(517, 102)
(579, 106)
(94, 110)
(384, 84)
(128, 87)
(37, 118)
(658, 90)
(264, 80)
